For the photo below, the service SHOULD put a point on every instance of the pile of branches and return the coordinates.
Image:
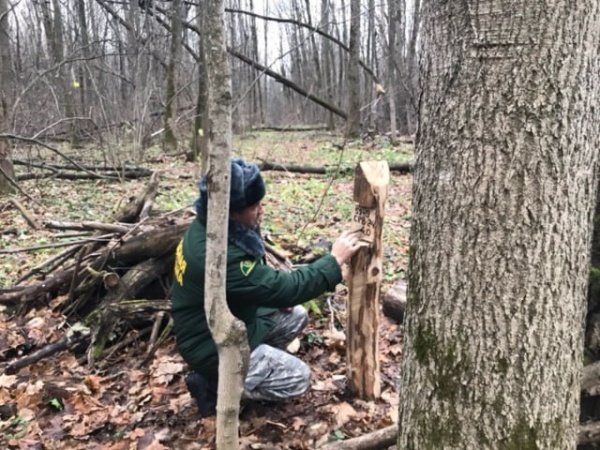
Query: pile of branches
(114, 273)
(115, 270)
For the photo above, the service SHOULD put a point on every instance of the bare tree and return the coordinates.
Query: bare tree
(6, 89)
(502, 208)
(199, 135)
(54, 29)
(229, 333)
(169, 139)
(353, 87)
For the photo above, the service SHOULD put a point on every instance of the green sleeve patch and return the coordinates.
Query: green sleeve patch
(246, 267)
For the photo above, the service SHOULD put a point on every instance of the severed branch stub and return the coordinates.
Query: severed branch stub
(364, 280)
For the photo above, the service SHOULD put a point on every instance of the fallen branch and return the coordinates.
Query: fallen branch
(50, 264)
(26, 214)
(376, 440)
(84, 176)
(266, 165)
(84, 226)
(589, 433)
(74, 336)
(10, 251)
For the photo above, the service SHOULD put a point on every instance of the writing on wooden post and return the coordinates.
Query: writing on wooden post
(371, 180)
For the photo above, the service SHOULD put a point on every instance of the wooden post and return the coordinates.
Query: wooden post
(371, 181)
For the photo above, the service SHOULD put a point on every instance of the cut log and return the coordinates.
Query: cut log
(364, 280)
(394, 302)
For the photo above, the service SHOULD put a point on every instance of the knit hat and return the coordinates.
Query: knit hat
(247, 186)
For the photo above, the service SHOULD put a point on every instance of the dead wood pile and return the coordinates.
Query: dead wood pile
(114, 273)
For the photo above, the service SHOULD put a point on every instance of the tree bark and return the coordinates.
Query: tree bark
(502, 207)
(228, 332)
(169, 139)
(6, 167)
(353, 84)
(199, 134)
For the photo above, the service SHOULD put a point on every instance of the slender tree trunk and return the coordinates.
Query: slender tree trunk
(327, 60)
(83, 77)
(53, 24)
(199, 135)
(353, 92)
(169, 139)
(411, 65)
(6, 91)
(228, 332)
(391, 66)
(502, 206)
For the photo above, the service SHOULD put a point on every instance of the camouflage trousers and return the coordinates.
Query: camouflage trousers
(273, 373)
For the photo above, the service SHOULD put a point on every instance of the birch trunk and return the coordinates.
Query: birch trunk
(503, 198)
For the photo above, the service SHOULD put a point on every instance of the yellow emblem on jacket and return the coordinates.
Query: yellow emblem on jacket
(246, 267)
(180, 263)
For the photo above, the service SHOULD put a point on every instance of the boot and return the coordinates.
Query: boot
(204, 391)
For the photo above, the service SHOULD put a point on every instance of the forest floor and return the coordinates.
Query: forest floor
(125, 403)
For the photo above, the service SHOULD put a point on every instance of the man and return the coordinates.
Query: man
(266, 300)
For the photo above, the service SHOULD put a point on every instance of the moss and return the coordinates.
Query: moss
(446, 369)
(450, 367)
(524, 436)
(443, 432)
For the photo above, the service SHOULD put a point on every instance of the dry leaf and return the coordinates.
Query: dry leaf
(343, 413)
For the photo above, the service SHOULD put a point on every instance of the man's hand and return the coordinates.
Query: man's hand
(347, 245)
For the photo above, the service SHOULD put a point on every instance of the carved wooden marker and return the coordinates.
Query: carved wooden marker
(371, 180)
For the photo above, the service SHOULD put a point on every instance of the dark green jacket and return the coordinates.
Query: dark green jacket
(252, 289)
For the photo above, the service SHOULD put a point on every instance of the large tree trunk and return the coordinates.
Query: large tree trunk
(228, 332)
(6, 167)
(502, 207)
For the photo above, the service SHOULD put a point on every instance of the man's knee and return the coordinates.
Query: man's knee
(275, 375)
(301, 315)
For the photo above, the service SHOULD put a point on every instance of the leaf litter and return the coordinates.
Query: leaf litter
(59, 402)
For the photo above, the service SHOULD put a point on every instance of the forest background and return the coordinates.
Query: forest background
(98, 95)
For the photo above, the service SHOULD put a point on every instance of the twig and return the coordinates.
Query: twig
(71, 339)
(115, 348)
(108, 227)
(104, 237)
(58, 152)
(51, 264)
(17, 187)
(26, 215)
(333, 177)
(158, 343)
(155, 329)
